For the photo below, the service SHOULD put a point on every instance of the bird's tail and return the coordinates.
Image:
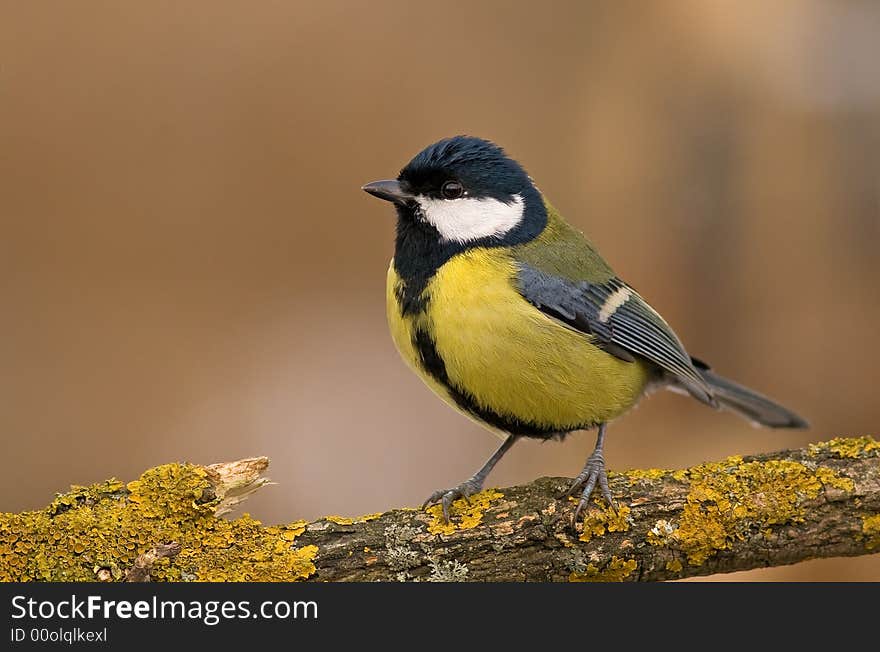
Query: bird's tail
(754, 407)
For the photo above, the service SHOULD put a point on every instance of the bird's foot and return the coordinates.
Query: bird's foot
(446, 496)
(592, 474)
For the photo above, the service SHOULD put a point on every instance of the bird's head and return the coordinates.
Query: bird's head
(467, 192)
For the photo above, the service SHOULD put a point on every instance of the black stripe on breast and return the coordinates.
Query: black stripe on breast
(436, 367)
(411, 301)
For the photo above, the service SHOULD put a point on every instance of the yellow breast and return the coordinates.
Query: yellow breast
(505, 355)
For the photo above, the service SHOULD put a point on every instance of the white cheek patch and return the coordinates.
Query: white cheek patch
(470, 218)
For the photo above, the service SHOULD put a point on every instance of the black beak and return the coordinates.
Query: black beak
(389, 191)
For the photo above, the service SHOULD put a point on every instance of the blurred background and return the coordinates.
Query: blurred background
(190, 271)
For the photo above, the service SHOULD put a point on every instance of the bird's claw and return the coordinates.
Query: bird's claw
(593, 474)
(447, 496)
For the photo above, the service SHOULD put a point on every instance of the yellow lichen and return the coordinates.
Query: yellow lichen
(344, 520)
(617, 570)
(660, 533)
(731, 499)
(845, 447)
(830, 479)
(680, 475)
(673, 566)
(466, 514)
(96, 532)
(292, 530)
(605, 519)
(634, 475)
(871, 531)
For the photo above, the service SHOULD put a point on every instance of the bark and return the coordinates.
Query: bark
(718, 517)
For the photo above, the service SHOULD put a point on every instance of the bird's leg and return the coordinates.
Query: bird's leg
(592, 474)
(471, 485)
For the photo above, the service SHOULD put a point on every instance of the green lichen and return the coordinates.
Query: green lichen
(731, 500)
(605, 519)
(466, 514)
(98, 531)
(447, 571)
(871, 531)
(617, 570)
(847, 447)
(400, 553)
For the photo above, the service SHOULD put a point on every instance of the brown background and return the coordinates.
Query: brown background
(189, 270)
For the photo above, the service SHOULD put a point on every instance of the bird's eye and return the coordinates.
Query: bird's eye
(452, 190)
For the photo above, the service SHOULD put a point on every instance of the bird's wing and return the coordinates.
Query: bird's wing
(620, 321)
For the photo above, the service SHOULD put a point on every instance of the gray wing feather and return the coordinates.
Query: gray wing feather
(633, 328)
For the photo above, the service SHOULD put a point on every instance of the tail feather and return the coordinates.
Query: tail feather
(758, 409)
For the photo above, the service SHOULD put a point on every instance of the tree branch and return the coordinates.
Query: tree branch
(736, 514)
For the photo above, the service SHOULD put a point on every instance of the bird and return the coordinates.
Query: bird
(512, 317)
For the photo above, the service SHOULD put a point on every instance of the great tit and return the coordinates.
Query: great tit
(512, 317)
